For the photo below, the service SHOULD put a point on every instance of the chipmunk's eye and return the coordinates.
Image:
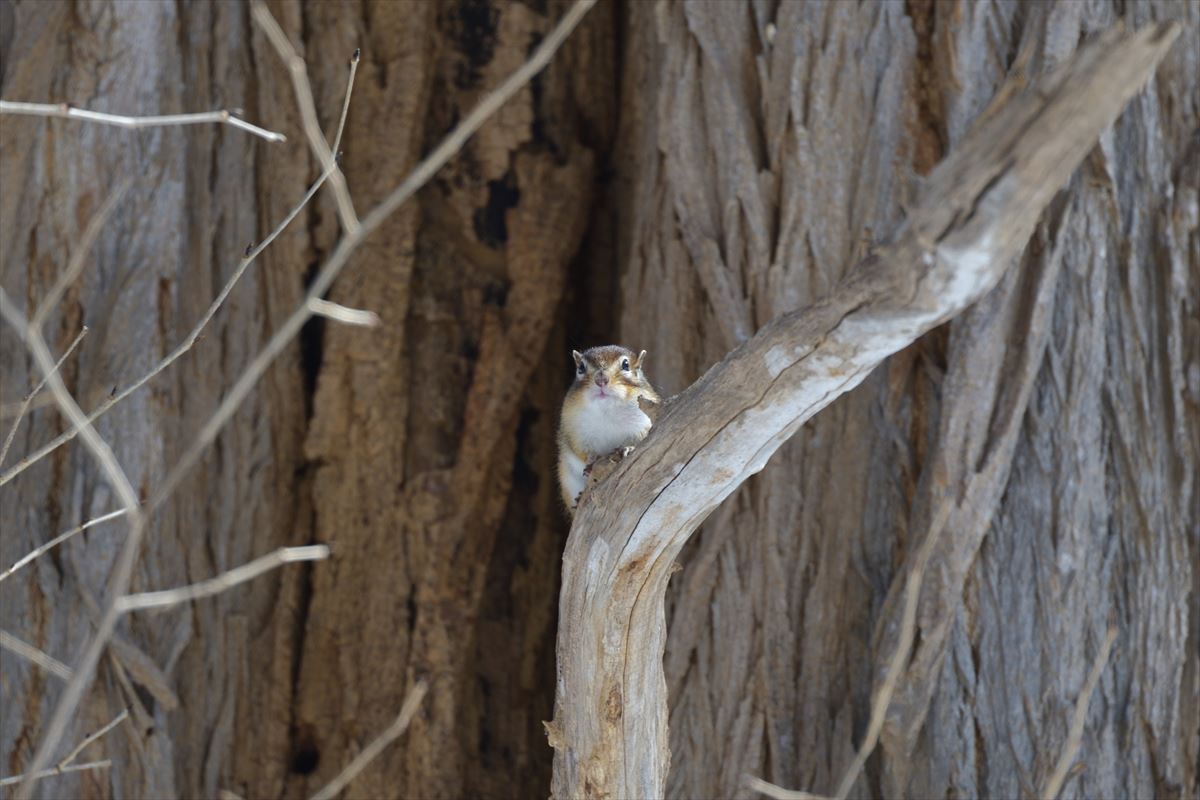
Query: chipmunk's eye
(582, 370)
(625, 364)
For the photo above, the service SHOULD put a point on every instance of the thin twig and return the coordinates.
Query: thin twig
(50, 773)
(122, 571)
(448, 147)
(778, 792)
(121, 121)
(252, 253)
(11, 409)
(340, 313)
(308, 111)
(908, 632)
(30, 653)
(349, 243)
(57, 540)
(12, 433)
(179, 350)
(883, 696)
(91, 738)
(407, 710)
(1075, 736)
(116, 476)
(79, 257)
(337, 139)
(226, 580)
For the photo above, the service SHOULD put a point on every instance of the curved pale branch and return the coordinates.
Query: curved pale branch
(979, 208)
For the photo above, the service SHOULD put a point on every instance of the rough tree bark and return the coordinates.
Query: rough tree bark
(1084, 413)
(397, 446)
(975, 215)
(360, 439)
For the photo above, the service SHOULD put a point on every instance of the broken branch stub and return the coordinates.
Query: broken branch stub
(978, 210)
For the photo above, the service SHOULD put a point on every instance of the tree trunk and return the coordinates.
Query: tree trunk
(422, 451)
(764, 145)
(415, 450)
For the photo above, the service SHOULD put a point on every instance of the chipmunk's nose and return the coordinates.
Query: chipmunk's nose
(601, 379)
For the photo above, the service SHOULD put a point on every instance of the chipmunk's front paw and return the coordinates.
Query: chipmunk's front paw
(601, 467)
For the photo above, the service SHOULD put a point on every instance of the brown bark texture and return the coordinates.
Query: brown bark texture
(681, 174)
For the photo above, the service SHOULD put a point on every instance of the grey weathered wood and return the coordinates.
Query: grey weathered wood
(977, 210)
(745, 176)
(770, 657)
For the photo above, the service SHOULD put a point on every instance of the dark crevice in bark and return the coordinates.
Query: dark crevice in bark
(7, 29)
(411, 605)
(473, 29)
(305, 756)
(929, 140)
(312, 336)
(312, 346)
(311, 339)
(303, 752)
(540, 132)
(490, 222)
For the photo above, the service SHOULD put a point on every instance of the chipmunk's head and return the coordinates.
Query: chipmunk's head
(610, 372)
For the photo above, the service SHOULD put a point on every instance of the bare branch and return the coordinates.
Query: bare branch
(252, 253)
(12, 409)
(908, 632)
(50, 773)
(883, 695)
(101, 451)
(340, 313)
(407, 710)
(308, 111)
(122, 571)
(120, 580)
(79, 257)
(91, 738)
(12, 433)
(189, 341)
(337, 138)
(349, 243)
(1055, 782)
(978, 209)
(66, 765)
(65, 110)
(57, 540)
(27, 651)
(778, 792)
(226, 580)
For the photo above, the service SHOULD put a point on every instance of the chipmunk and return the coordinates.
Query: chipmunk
(600, 413)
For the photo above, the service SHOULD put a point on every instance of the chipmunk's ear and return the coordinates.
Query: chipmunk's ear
(578, 356)
(640, 360)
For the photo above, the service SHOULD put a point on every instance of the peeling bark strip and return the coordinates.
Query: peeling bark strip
(978, 210)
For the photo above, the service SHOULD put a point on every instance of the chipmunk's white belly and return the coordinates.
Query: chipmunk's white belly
(604, 425)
